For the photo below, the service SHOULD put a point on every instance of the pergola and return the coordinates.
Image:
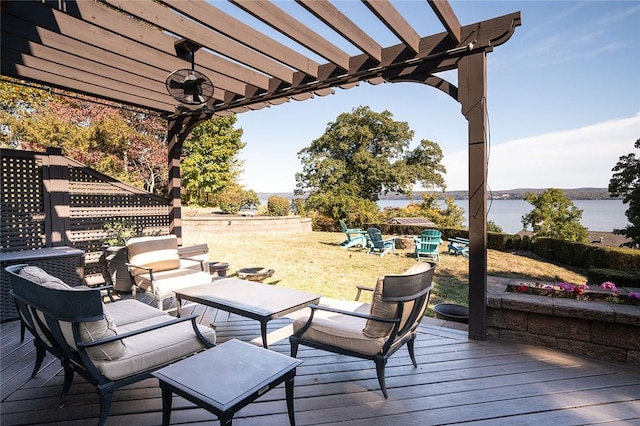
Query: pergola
(123, 50)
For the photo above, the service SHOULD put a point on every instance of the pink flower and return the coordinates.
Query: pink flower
(634, 295)
(609, 285)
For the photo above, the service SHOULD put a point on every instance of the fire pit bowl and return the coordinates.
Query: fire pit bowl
(255, 274)
(452, 312)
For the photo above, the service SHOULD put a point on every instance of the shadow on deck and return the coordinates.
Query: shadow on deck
(457, 381)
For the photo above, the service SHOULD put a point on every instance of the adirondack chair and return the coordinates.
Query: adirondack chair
(355, 236)
(377, 244)
(427, 245)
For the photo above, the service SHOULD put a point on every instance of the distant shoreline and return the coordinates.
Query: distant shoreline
(509, 194)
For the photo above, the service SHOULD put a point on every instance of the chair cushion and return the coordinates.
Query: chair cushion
(152, 349)
(166, 282)
(341, 330)
(377, 329)
(158, 252)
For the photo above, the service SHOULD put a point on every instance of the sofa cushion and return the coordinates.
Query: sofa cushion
(127, 311)
(158, 252)
(376, 329)
(40, 276)
(155, 348)
(92, 331)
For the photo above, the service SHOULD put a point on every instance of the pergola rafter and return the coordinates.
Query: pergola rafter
(123, 50)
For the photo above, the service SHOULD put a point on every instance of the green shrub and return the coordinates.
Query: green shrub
(278, 206)
(618, 277)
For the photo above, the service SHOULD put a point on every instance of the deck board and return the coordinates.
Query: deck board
(457, 381)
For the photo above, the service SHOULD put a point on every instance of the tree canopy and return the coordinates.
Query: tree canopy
(126, 144)
(625, 183)
(364, 153)
(211, 160)
(554, 216)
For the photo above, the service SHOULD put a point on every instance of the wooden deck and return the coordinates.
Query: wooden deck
(457, 381)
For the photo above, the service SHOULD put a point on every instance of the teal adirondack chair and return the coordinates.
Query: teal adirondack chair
(427, 245)
(355, 237)
(377, 244)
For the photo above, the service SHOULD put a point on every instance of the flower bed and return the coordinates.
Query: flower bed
(563, 318)
(605, 292)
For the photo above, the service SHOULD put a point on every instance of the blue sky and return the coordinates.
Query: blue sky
(563, 99)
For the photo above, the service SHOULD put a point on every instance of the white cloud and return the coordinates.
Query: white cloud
(574, 158)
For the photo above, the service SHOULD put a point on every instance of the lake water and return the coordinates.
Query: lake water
(597, 215)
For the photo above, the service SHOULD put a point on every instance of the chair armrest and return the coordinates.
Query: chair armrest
(202, 261)
(352, 314)
(362, 288)
(136, 332)
(131, 266)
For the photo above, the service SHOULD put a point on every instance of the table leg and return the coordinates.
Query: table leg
(179, 306)
(288, 386)
(263, 331)
(167, 399)
(225, 419)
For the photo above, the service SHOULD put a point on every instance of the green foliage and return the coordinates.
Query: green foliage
(494, 227)
(331, 206)
(449, 216)
(118, 232)
(297, 206)
(554, 216)
(233, 197)
(211, 160)
(620, 278)
(278, 206)
(128, 145)
(625, 182)
(367, 153)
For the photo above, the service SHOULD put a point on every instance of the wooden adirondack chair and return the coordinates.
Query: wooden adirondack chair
(355, 236)
(427, 245)
(377, 244)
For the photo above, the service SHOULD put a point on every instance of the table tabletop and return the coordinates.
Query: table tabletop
(227, 374)
(42, 253)
(248, 297)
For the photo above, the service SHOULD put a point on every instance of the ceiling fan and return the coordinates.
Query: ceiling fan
(188, 86)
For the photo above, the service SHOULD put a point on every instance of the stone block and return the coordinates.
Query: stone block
(559, 327)
(618, 335)
(633, 357)
(507, 319)
(608, 353)
(527, 303)
(531, 339)
(627, 314)
(583, 309)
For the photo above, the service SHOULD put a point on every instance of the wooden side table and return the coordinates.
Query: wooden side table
(226, 378)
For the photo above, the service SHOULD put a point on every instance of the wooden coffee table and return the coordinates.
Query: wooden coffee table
(226, 378)
(249, 299)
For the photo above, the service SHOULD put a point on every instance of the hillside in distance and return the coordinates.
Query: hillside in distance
(508, 194)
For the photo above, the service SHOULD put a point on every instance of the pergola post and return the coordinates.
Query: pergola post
(175, 139)
(472, 91)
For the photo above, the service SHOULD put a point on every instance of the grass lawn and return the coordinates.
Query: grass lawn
(314, 262)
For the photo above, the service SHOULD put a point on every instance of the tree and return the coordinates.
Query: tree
(126, 144)
(368, 153)
(625, 183)
(210, 159)
(554, 216)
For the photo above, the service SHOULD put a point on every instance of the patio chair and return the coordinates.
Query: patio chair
(110, 345)
(370, 331)
(377, 244)
(427, 245)
(156, 266)
(355, 236)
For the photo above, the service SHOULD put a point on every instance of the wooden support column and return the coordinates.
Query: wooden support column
(175, 184)
(472, 83)
(57, 199)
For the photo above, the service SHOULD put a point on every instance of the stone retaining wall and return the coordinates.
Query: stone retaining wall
(238, 225)
(600, 330)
